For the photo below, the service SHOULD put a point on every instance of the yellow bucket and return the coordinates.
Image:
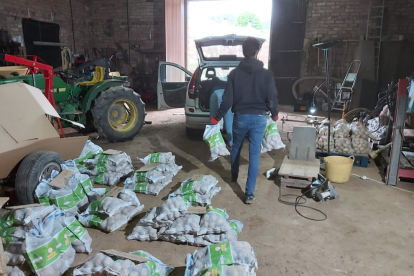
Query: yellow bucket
(338, 168)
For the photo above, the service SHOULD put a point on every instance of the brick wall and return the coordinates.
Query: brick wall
(12, 12)
(347, 20)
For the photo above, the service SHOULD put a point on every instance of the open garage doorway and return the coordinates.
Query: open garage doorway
(222, 17)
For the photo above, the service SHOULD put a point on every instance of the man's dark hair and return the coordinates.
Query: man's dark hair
(251, 46)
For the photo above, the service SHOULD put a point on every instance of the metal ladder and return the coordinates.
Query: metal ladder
(374, 29)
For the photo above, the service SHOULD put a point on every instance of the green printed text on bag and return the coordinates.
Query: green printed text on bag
(271, 130)
(95, 221)
(7, 220)
(213, 271)
(141, 176)
(220, 254)
(95, 206)
(152, 267)
(44, 256)
(65, 202)
(233, 227)
(141, 187)
(188, 187)
(62, 240)
(79, 192)
(215, 140)
(102, 161)
(43, 199)
(88, 155)
(190, 197)
(155, 158)
(77, 229)
(86, 185)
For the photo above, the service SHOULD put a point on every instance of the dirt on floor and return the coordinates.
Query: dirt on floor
(369, 229)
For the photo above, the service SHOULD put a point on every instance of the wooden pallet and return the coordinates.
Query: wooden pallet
(298, 173)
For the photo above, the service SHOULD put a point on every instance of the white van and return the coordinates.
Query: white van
(177, 87)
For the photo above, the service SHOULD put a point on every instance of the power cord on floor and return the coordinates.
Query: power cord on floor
(380, 182)
(297, 203)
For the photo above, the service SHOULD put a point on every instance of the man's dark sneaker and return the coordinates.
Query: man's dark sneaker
(249, 199)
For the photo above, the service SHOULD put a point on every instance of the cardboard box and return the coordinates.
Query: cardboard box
(24, 128)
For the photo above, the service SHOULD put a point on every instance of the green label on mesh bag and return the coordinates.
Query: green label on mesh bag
(215, 140)
(86, 185)
(213, 271)
(141, 176)
(95, 206)
(99, 179)
(88, 155)
(43, 199)
(141, 187)
(44, 255)
(188, 187)
(152, 267)
(155, 158)
(190, 197)
(234, 227)
(79, 192)
(7, 220)
(62, 240)
(65, 202)
(216, 210)
(271, 130)
(102, 161)
(220, 254)
(95, 221)
(5, 232)
(77, 229)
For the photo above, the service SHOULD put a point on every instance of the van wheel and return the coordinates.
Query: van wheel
(35, 167)
(194, 134)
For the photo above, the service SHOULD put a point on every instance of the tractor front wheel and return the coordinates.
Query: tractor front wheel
(118, 114)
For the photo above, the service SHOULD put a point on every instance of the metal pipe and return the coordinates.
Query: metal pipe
(329, 98)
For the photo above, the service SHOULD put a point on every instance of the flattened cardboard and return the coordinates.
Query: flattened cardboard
(24, 206)
(3, 200)
(198, 210)
(62, 179)
(148, 167)
(114, 191)
(134, 258)
(3, 260)
(112, 151)
(67, 148)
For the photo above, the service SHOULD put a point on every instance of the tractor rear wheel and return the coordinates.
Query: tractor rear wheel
(118, 114)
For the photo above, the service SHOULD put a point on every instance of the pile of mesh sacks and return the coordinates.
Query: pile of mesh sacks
(227, 258)
(158, 172)
(103, 168)
(110, 213)
(42, 239)
(171, 222)
(345, 138)
(102, 264)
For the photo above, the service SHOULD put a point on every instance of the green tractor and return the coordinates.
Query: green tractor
(108, 106)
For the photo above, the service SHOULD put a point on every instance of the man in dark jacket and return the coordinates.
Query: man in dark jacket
(251, 93)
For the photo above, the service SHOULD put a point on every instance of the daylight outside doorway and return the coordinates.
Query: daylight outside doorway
(216, 18)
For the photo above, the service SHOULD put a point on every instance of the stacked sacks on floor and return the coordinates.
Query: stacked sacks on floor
(42, 239)
(227, 259)
(155, 178)
(111, 212)
(102, 264)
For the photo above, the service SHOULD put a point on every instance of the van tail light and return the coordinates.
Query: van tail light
(191, 110)
(191, 87)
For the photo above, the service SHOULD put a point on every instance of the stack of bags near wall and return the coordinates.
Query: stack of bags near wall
(102, 264)
(42, 239)
(171, 222)
(226, 258)
(345, 138)
(158, 172)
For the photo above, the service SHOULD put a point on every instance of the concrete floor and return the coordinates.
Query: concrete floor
(369, 229)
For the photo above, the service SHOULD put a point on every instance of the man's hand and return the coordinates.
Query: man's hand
(276, 118)
(213, 121)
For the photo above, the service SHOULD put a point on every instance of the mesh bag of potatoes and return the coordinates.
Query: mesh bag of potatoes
(150, 218)
(212, 136)
(188, 224)
(225, 270)
(222, 254)
(343, 145)
(148, 187)
(143, 232)
(172, 209)
(235, 228)
(80, 239)
(360, 145)
(156, 266)
(166, 161)
(342, 129)
(271, 137)
(214, 222)
(48, 248)
(14, 271)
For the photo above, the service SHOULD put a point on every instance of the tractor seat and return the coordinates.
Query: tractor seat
(98, 76)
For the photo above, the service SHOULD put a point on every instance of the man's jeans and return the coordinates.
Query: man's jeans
(254, 125)
(215, 102)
